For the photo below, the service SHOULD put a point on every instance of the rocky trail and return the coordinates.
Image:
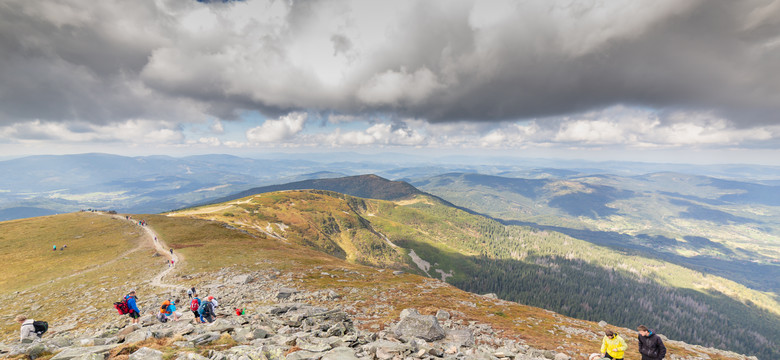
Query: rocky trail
(293, 327)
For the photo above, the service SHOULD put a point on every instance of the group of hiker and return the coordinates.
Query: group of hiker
(203, 310)
(651, 347)
(54, 247)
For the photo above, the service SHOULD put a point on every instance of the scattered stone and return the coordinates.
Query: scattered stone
(146, 353)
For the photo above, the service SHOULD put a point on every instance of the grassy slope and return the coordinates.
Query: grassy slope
(104, 258)
(454, 240)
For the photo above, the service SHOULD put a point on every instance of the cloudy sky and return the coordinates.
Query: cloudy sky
(661, 80)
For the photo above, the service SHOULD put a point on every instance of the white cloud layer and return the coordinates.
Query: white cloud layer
(495, 73)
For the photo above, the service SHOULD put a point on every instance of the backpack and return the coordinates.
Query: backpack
(206, 309)
(122, 307)
(194, 305)
(40, 327)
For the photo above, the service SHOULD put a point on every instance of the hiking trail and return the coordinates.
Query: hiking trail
(162, 249)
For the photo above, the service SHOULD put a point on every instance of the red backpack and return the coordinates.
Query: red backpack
(194, 305)
(122, 307)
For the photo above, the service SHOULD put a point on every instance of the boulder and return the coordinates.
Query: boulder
(221, 325)
(301, 355)
(460, 337)
(414, 325)
(146, 353)
(191, 356)
(561, 356)
(340, 353)
(71, 353)
(92, 357)
(36, 350)
(241, 279)
(442, 315)
(138, 335)
(286, 293)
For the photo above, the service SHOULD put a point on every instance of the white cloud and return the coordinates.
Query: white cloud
(378, 134)
(276, 130)
(136, 131)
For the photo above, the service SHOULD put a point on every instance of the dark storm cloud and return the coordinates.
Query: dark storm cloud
(442, 61)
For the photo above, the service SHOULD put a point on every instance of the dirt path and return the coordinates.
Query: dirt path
(162, 249)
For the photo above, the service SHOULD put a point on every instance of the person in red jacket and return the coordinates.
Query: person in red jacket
(650, 345)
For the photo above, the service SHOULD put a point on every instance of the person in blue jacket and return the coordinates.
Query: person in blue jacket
(135, 314)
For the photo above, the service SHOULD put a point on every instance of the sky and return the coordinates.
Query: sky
(657, 81)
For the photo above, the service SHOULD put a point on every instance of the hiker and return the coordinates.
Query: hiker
(171, 251)
(162, 315)
(134, 313)
(29, 332)
(55, 248)
(206, 310)
(213, 301)
(194, 306)
(193, 290)
(239, 311)
(168, 310)
(613, 346)
(63, 247)
(189, 293)
(650, 345)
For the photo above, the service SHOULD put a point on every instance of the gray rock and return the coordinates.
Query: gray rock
(36, 350)
(442, 315)
(491, 296)
(138, 335)
(414, 325)
(562, 356)
(205, 338)
(460, 337)
(221, 325)
(71, 353)
(191, 356)
(603, 323)
(242, 279)
(340, 353)
(92, 357)
(302, 355)
(312, 346)
(146, 353)
(286, 293)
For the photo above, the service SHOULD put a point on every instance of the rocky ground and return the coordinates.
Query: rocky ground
(283, 322)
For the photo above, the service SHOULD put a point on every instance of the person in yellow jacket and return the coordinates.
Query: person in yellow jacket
(613, 346)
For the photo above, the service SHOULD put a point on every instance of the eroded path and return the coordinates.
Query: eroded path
(162, 249)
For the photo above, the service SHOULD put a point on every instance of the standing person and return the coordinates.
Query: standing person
(193, 290)
(650, 345)
(134, 313)
(27, 331)
(613, 346)
(55, 248)
(194, 306)
(189, 293)
(171, 251)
